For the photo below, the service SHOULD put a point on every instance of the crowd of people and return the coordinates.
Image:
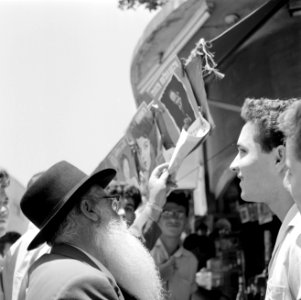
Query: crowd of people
(89, 239)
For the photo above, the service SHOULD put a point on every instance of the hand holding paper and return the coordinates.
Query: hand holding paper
(188, 141)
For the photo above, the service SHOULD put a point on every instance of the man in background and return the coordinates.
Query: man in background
(177, 265)
(142, 220)
(200, 244)
(7, 240)
(130, 200)
(18, 259)
(4, 201)
(260, 166)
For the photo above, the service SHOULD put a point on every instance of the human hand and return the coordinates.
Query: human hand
(157, 185)
(171, 183)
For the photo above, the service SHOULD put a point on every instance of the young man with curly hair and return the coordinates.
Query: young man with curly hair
(260, 166)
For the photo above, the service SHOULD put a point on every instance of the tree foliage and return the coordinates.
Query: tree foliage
(148, 4)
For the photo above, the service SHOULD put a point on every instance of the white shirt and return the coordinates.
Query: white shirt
(284, 281)
(17, 262)
(181, 285)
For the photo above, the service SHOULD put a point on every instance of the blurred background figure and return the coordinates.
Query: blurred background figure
(4, 211)
(177, 265)
(18, 259)
(7, 240)
(222, 228)
(131, 199)
(200, 244)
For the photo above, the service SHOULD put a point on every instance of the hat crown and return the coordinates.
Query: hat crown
(50, 192)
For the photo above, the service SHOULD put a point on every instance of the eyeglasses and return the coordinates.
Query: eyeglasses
(115, 201)
(168, 214)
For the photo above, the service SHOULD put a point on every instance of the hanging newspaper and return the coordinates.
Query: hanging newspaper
(179, 116)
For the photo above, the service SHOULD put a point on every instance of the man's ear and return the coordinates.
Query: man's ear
(87, 208)
(280, 157)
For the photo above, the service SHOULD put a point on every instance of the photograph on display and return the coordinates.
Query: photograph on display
(180, 121)
(122, 160)
(145, 142)
(176, 101)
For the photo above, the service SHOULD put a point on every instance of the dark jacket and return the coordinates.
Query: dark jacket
(68, 273)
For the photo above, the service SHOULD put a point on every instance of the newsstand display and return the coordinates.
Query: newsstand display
(244, 235)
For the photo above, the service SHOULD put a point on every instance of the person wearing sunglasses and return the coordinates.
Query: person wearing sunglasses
(177, 265)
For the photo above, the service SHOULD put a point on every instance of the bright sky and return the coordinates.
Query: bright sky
(65, 88)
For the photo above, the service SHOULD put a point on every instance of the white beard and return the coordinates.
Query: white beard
(129, 261)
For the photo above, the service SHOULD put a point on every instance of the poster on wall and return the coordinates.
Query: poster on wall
(174, 99)
(144, 141)
(122, 160)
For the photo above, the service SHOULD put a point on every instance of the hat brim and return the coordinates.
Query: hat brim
(101, 178)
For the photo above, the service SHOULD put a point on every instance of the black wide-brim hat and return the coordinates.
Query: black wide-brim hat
(49, 199)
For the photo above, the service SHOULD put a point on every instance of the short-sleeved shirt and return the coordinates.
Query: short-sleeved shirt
(182, 283)
(284, 281)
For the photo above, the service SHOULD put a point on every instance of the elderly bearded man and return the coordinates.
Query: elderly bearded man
(92, 250)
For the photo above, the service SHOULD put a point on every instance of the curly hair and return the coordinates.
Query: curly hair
(264, 113)
(4, 179)
(290, 125)
(133, 192)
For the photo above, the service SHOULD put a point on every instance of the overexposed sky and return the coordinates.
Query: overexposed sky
(65, 88)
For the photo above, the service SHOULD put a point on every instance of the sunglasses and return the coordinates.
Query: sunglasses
(168, 214)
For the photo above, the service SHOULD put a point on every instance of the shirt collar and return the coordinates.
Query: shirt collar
(288, 222)
(290, 218)
(178, 253)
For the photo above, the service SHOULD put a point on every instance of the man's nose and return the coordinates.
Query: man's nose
(233, 166)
